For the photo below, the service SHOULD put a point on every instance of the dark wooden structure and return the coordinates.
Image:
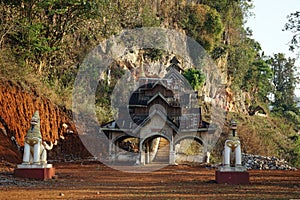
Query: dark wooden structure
(160, 113)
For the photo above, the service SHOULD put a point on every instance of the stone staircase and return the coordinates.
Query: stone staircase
(162, 155)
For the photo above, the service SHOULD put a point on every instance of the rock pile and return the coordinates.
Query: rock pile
(265, 163)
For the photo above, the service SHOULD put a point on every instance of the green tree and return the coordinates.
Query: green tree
(202, 23)
(258, 80)
(284, 81)
(42, 25)
(195, 77)
(241, 56)
(293, 25)
(233, 14)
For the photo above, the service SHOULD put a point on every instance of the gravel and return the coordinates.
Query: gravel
(265, 163)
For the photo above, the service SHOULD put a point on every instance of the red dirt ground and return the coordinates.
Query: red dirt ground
(93, 180)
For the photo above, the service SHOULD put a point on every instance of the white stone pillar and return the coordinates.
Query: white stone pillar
(142, 153)
(172, 154)
(142, 158)
(227, 155)
(36, 154)
(238, 156)
(148, 154)
(43, 157)
(172, 158)
(110, 149)
(26, 154)
(207, 157)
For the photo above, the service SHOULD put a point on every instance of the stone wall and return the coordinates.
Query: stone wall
(187, 159)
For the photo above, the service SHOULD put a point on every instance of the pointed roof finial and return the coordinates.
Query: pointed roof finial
(174, 60)
(174, 64)
(36, 114)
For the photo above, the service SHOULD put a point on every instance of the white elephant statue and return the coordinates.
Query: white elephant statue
(232, 151)
(232, 145)
(34, 148)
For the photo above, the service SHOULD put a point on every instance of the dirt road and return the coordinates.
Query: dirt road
(93, 180)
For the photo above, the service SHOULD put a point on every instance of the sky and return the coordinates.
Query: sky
(267, 23)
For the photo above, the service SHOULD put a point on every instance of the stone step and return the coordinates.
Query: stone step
(163, 152)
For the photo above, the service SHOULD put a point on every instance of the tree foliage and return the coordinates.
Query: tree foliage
(202, 23)
(284, 82)
(258, 79)
(46, 40)
(293, 25)
(195, 77)
(242, 54)
(40, 26)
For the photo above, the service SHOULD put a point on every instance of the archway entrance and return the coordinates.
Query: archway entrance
(125, 149)
(155, 149)
(189, 150)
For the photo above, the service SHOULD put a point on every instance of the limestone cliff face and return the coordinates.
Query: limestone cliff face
(236, 101)
(216, 89)
(17, 106)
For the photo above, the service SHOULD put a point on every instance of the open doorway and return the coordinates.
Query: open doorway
(189, 150)
(126, 150)
(156, 149)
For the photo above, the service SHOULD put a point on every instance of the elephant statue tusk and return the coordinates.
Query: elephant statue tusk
(49, 147)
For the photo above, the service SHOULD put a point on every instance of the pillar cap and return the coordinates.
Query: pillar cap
(233, 124)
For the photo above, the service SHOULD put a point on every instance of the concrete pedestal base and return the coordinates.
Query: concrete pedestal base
(39, 172)
(232, 177)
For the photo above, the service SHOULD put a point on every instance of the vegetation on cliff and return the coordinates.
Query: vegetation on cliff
(42, 44)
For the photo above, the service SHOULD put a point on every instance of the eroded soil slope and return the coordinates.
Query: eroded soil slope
(17, 106)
